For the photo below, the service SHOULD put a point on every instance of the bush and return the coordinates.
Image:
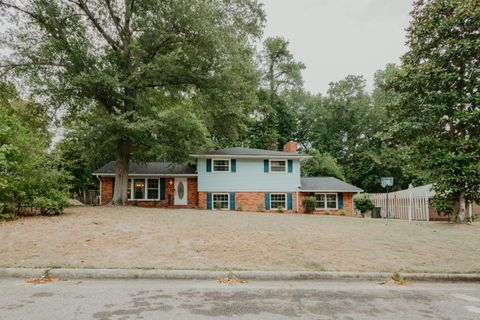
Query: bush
(309, 204)
(260, 206)
(363, 205)
(280, 209)
(239, 207)
(51, 205)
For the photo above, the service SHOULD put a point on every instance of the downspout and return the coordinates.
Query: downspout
(298, 187)
(100, 191)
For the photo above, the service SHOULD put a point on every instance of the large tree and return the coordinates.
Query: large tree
(275, 119)
(139, 65)
(438, 111)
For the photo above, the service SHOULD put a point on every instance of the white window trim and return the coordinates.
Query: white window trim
(229, 165)
(270, 165)
(145, 194)
(228, 200)
(325, 194)
(286, 200)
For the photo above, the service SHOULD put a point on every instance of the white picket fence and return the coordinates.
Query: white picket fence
(398, 205)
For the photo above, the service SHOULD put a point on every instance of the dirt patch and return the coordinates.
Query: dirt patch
(132, 237)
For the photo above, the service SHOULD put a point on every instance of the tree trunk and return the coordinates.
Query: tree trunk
(121, 173)
(461, 207)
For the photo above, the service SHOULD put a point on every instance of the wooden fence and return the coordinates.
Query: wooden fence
(406, 206)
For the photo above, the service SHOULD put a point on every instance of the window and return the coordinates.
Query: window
(221, 165)
(221, 201)
(152, 192)
(278, 200)
(326, 200)
(278, 166)
(139, 188)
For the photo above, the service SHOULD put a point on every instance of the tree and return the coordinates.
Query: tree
(438, 111)
(29, 176)
(274, 123)
(143, 65)
(322, 164)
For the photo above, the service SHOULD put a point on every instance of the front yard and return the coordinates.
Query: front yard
(132, 237)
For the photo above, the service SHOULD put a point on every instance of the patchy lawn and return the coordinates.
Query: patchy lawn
(131, 237)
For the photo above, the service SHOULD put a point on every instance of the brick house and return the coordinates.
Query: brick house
(232, 179)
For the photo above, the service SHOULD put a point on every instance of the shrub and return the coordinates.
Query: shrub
(260, 206)
(217, 206)
(327, 213)
(280, 209)
(51, 205)
(309, 205)
(239, 207)
(7, 216)
(363, 205)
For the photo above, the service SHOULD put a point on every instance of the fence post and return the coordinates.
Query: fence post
(427, 208)
(410, 198)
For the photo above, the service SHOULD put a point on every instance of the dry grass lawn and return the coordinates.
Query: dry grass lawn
(131, 237)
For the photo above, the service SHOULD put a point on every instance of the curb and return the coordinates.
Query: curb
(160, 274)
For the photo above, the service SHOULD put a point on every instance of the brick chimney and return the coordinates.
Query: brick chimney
(290, 146)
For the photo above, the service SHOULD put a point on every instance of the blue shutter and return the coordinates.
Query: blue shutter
(265, 165)
(340, 200)
(233, 164)
(267, 200)
(162, 188)
(209, 200)
(289, 200)
(209, 165)
(290, 166)
(232, 200)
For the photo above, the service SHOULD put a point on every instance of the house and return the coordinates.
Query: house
(232, 179)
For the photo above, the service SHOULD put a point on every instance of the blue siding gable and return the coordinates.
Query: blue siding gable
(248, 175)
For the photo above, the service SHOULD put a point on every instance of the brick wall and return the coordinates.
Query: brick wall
(107, 193)
(249, 201)
(347, 204)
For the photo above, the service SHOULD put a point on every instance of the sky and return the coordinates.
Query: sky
(335, 38)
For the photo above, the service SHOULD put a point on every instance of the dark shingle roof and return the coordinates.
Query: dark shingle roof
(327, 184)
(150, 168)
(239, 151)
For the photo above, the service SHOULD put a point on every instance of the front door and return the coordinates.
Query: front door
(181, 191)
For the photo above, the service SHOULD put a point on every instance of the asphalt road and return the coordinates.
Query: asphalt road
(162, 299)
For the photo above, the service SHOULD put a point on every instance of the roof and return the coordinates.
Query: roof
(327, 184)
(149, 168)
(249, 153)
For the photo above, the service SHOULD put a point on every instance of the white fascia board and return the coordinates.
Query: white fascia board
(149, 175)
(232, 156)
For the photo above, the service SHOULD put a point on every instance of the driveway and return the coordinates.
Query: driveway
(132, 237)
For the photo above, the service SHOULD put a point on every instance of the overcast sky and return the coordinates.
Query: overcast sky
(334, 38)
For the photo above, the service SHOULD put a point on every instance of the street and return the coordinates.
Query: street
(179, 299)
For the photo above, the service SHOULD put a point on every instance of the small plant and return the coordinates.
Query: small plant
(342, 213)
(363, 205)
(327, 213)
(217, 206)
(309, 204)
(260, 206)
(280, 209)
(239, 207)
(7, 216)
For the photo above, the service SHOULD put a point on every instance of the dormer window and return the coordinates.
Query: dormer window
(221, 165)
(278, 166)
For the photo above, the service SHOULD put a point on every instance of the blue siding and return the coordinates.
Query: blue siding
(209, 165)
(289, 201)
(162, 188)
(340, 200)
(209, 200)
(267, 200)
(290, 166)
(232, 200)
(233, 164)
(249, 177)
